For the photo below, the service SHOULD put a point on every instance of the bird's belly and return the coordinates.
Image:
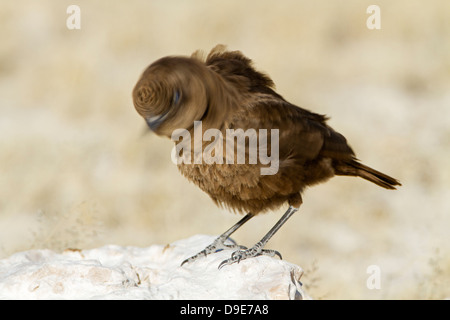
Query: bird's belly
(240, 187)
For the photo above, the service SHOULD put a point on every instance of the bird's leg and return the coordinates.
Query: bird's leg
(257, 249)
(219, 243)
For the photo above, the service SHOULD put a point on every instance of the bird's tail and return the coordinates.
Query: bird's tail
(355, 168)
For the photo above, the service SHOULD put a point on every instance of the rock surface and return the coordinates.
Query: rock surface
(114, 272)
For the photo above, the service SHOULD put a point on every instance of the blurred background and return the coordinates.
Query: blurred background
(78, 168)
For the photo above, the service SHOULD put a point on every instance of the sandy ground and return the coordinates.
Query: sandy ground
(78, 168)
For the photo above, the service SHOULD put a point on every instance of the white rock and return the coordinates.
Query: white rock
(114, 272)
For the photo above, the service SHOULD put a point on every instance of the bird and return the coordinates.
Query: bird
(223, 92)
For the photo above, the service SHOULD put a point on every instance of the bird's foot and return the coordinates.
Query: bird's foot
(257, 250)
(216, 246)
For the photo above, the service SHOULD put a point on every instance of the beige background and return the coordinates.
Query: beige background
(78, 168)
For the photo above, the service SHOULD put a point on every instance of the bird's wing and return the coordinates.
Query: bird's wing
(303, 135)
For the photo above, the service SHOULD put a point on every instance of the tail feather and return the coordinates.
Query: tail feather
(355, 168)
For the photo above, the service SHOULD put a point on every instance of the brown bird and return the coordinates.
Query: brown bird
(221, 99)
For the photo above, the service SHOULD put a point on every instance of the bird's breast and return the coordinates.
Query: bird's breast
(239, 187)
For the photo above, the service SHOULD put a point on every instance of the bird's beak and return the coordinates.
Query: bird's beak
(155, 121)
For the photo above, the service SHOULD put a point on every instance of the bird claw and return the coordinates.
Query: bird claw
(257, 250)
(216, 246)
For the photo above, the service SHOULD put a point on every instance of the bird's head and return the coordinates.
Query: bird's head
(172, 93)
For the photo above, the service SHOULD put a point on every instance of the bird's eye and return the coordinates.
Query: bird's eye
(176, 97)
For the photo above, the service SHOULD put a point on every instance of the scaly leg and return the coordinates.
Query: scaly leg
(257, 249)
(219, 243)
